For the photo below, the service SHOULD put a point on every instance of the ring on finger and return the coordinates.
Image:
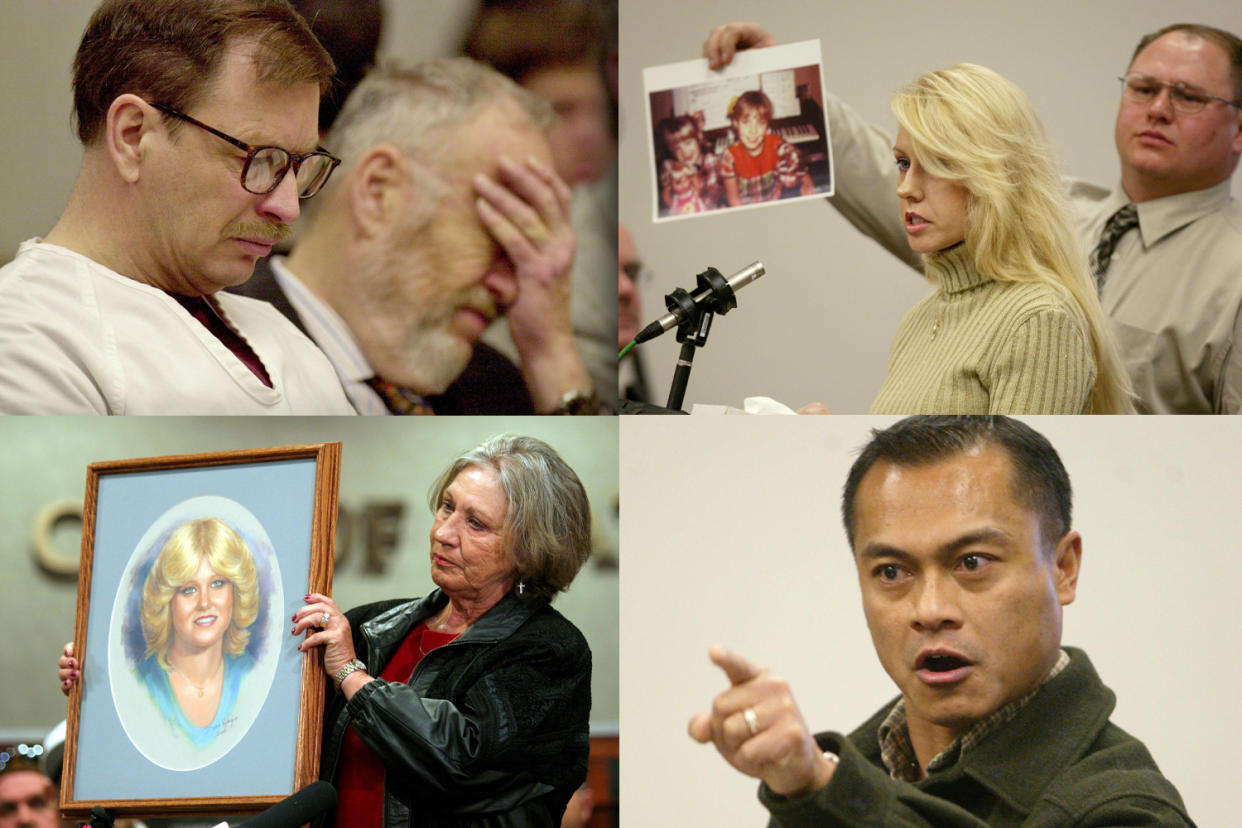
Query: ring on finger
(323, 619)
(752, 720)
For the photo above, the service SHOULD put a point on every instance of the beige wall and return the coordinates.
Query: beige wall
(43, 461)
(819, 325)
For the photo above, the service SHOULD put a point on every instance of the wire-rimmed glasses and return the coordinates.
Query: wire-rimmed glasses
(1186, 99)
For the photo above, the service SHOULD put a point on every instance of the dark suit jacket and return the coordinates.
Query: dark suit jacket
(491, 384)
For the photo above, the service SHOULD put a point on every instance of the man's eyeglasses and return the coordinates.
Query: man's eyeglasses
(1188, 100)
(639, 273)
(265, 167)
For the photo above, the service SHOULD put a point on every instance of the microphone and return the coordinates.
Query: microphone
(715, 295)
(298, 809)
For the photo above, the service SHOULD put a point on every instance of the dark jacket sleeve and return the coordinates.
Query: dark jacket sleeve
(862, 795)
(500, 732)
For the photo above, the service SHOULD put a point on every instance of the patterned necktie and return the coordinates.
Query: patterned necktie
(400, 401)
(1120, 223)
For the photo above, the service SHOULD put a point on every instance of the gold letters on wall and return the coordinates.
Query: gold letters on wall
(379, 523)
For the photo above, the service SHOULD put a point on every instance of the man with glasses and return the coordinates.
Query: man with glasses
(632, 379)
(1165, 245)
(446, 215)
(199, 122)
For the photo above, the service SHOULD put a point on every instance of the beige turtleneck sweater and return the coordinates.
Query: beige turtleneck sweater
(978, 346)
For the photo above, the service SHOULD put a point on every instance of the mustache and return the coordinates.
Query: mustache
(263, 230)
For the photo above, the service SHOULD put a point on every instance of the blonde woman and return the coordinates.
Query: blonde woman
(1014, 325)
(198, 603)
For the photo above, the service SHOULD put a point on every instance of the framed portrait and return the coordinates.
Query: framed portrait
(752, 134)
(194, 697)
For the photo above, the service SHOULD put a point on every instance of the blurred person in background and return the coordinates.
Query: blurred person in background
(27, 796)
(630, 374)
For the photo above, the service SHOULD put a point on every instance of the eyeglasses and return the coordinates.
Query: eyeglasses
(639, 273)
(265, 167)
(1188, 100)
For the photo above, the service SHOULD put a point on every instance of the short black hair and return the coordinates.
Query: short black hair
(1039, 478)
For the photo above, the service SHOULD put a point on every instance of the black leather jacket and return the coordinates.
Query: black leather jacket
(492, 728)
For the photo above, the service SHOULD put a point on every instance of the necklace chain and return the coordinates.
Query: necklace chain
(201, 688)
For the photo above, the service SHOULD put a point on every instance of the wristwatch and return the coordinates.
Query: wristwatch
(350, 666)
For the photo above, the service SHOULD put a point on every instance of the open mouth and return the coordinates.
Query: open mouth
(915, 222)
(942, 668)
(205, 621)
(943, 663)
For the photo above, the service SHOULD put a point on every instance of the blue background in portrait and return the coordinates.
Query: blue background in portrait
(280, 494)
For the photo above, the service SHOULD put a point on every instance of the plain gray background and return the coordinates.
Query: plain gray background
(819, 325)
(732, 535)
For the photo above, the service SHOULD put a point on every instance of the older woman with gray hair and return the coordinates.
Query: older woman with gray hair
(468, 706)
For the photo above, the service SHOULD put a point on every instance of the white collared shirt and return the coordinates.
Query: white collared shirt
(333, 337)
(79, 338)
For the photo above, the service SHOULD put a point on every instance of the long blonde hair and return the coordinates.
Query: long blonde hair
(186, 547)
(970, 125)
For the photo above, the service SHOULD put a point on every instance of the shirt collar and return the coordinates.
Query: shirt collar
(334, 338)
(897, 752)
(1162, 216)
(324, 324)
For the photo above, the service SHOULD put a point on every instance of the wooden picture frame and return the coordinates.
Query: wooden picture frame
(139, 741)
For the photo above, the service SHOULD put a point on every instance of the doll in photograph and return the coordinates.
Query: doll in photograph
(689, 180)
(760, 166)
(198, 603)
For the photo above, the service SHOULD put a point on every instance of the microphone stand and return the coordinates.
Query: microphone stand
(695, 325)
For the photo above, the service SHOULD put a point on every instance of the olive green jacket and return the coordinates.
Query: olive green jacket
(1058, 763)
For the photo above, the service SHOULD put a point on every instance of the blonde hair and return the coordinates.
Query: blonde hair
(227, 554)
(969, 125)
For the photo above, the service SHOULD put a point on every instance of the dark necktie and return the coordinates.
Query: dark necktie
(1120, 223)
(400, 401)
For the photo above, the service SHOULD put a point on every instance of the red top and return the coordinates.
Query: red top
(360, 777)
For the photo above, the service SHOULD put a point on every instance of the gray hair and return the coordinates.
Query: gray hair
(547, 527)
(420, 109)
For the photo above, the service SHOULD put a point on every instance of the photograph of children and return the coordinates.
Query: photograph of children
(750, 135)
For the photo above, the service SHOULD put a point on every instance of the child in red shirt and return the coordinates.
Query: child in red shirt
(760, 164)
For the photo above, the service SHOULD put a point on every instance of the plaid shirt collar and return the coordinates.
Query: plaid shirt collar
(897, 752)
